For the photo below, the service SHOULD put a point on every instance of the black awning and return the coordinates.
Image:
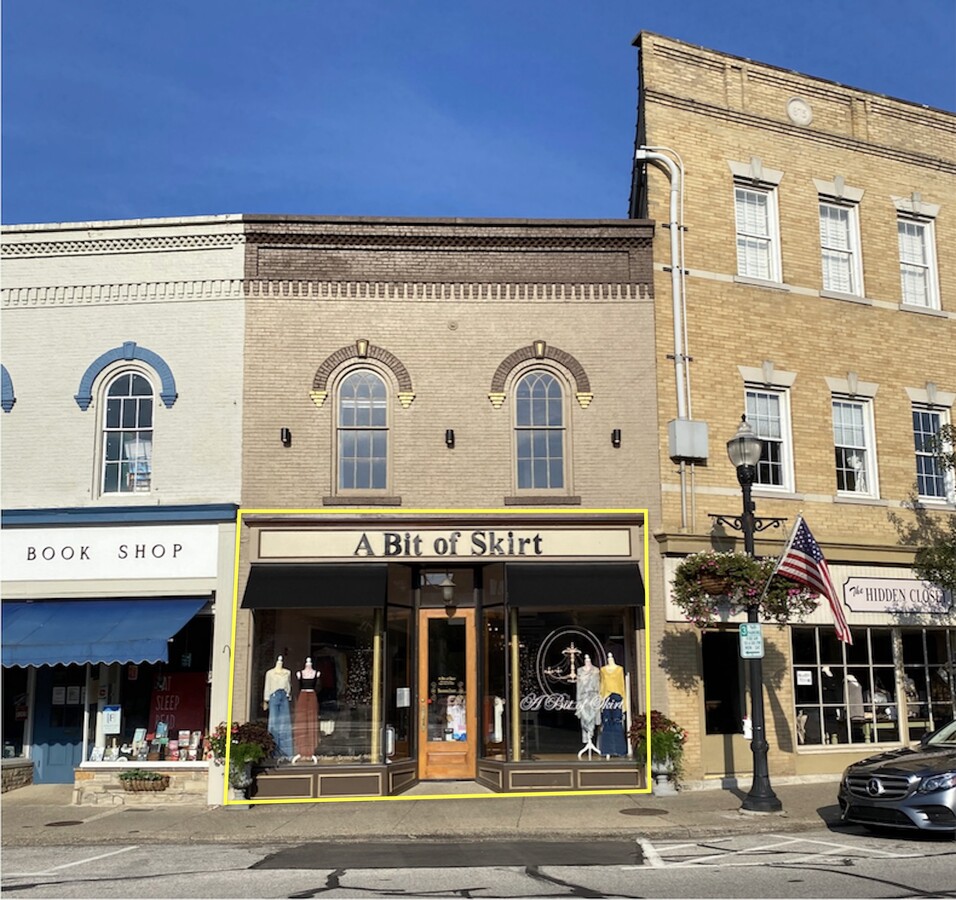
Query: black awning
(303, 586)
(567, 584)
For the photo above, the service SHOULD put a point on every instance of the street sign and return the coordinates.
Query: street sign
(751, 640)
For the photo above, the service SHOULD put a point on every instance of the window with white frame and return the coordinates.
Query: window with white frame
(854, 446)
(840, 248)
(917, 262)
(931, 477)
(768, 413)
(362, 432)
(127, 437)
(758, 249)
(540, 432)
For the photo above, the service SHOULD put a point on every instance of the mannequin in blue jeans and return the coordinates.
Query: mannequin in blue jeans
(275, 698)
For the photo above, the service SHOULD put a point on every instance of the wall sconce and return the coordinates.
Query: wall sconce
(449, 438)
(616, 437)
(448, 590)
(285, 435)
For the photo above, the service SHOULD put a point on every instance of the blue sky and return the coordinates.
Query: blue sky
(124, 109)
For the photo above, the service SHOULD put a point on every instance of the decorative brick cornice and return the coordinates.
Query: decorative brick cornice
(479, 292)
(129, 292)
(97, 246)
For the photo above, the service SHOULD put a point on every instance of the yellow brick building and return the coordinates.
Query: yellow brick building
(804, 276)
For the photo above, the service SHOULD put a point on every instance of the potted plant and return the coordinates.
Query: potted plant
(667, 747)
(143, 780)
(248, 743)
(711, 585)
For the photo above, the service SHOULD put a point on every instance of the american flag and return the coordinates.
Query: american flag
(803, 562)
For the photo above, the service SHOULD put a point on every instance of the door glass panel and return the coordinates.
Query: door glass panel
(447, 680)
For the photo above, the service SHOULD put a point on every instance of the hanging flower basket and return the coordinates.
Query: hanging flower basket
(710, 586)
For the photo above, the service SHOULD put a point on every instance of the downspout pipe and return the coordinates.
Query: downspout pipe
(643, 154)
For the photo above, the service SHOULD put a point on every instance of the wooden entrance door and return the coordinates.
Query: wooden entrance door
(447, 691)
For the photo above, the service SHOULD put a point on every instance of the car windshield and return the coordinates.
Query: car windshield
(944, 737)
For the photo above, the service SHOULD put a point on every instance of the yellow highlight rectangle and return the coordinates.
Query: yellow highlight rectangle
(392, 512)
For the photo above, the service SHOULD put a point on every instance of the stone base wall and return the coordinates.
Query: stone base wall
(16, 773)
(97, 787)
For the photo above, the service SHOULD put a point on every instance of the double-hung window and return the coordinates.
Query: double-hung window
(840, 248)
(127, 438)
(854, 446)
(362, 432)
(768, 415)
(539, 432)
(930, 476)
(757, 223)
(917, 262)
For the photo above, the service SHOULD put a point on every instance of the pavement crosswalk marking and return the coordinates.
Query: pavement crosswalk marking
(78, 862)
(651, 855)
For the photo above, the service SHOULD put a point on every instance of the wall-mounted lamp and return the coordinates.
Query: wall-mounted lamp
(616, 437)
(449, 438)
(285, 435)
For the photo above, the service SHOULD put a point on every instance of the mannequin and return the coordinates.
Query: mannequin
(588, 704)
(275, 697)
(305, 728)
(498, 735)
(613, 690)
(854, 698)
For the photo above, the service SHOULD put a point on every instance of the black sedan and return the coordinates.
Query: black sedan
(911, 789)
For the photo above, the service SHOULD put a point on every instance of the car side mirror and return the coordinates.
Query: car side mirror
(924, 740)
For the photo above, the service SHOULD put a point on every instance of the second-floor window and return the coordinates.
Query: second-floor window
(362, 432)
(127, 434)
(768, 415)
(854, 447)
(539, 432)
(930, 475)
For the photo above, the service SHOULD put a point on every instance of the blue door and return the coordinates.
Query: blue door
(57, 723)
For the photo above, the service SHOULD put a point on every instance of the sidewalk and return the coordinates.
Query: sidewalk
(42, 814)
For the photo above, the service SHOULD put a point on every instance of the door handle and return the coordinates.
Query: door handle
(423, 716)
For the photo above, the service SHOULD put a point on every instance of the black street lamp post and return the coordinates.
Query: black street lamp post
(744, 450)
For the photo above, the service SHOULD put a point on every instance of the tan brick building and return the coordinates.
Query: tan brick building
(814, 288)
(453, 414)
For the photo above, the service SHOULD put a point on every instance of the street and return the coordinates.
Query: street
(842, 861)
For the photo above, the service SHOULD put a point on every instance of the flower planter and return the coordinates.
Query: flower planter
(140, 784)
(714, 585)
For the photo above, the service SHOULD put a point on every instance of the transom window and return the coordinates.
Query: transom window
(362, 432)
(917, 263)
(930, 476)
(768, 415)
(539, 432)
(757, 250)
(839, 247)
(128, 435)
(853, 446)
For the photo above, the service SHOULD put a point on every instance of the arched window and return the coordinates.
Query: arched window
(127, 434)
(539, 432)
(362, 432)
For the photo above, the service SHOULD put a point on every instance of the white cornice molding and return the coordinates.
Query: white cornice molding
(10, 249)
(113, 294)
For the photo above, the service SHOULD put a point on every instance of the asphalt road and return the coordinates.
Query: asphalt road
(844, 862)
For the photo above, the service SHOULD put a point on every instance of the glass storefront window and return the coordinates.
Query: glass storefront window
(398, 704)
(554, 645)
(496, 699)
(929, 663)
(341, 645)
(844, 694)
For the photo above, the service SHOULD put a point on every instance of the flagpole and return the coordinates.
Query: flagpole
(786, 550)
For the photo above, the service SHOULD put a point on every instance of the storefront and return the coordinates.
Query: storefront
(834, 703)
(507, 651)
(109, 637)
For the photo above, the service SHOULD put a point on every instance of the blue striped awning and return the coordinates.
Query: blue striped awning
(63, 632)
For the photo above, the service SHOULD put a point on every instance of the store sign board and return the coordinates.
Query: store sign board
(895, 595)
(443, 543)
(133, 551)
(751, 640)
